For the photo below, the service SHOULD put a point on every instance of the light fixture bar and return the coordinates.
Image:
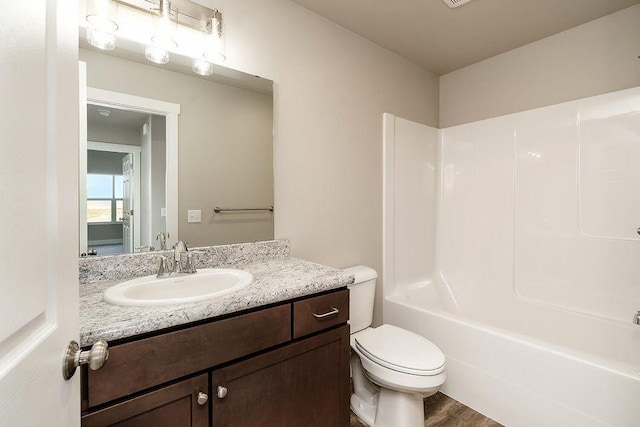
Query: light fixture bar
(189, 14)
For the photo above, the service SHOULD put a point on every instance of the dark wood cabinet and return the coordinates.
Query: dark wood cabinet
(302, 384)
(175, 405)
(144, 363)
(284, 365)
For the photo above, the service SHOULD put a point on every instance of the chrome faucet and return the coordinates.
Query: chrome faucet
(170, 265)
(636, 318)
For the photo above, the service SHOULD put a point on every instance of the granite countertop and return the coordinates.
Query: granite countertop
(274, 280)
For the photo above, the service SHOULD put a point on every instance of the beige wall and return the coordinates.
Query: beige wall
(100, 132)
(332, 87)
(225, 145)
(158, 176)
(146, 185)
(598, 57)
(104, 162)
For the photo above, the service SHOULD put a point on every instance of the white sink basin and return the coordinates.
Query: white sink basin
(206, 284)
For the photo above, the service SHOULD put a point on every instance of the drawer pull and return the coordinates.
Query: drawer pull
(327, 314)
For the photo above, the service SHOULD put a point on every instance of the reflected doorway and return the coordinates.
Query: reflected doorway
(125, 180)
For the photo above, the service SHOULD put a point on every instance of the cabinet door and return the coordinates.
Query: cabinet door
(302, 384)
(175, 405)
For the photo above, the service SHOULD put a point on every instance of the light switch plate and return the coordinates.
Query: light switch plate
(194, 215)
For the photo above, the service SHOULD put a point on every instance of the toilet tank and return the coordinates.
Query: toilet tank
(361, 297)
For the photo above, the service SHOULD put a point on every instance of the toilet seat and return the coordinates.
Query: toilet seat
(400, 350)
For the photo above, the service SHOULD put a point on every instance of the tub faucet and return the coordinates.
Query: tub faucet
(636, 318)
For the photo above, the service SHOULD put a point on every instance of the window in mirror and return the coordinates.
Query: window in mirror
(104, 198)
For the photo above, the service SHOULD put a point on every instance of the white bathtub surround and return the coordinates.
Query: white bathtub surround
(533, 282)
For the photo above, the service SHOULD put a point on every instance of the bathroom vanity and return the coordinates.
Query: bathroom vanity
(276, 352)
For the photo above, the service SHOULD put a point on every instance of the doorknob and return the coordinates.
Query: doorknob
(95, 358)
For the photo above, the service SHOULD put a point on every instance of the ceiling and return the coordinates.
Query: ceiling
(132, 120)
(429, 33)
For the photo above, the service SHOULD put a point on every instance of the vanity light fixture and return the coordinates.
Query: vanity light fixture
(101, 17)
(214, 45)
(163, 38)
(167, 23)
(202, 67)
(214, 39)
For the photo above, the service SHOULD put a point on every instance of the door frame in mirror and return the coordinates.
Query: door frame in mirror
(135, 150)
(170, 111)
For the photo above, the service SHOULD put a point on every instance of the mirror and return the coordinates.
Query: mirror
(125, 176)
(165, 148)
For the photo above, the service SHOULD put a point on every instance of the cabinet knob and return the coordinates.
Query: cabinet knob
(222, 392)
(202, 398)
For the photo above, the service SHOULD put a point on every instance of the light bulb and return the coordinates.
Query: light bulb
(165, 29)
(202, 67)
(101, 39)
(164, 42)
(214, 39)
(101, 15)
(214, 56)
(156, 54)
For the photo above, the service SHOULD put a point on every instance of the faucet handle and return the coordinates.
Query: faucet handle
(191, 266)
(163, 268)
(162, 238)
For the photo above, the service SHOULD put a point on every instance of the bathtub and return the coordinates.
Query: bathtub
(526, 364)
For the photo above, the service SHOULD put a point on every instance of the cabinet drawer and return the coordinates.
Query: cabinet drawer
(148, 362)
(315, 314)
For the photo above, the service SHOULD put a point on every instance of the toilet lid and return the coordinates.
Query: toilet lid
(400, 350)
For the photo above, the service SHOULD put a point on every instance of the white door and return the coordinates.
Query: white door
(127, 203)
(39, 214)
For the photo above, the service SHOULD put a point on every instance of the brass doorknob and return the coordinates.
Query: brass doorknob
(95, 358)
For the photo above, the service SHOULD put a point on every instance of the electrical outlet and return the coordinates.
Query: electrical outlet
(194, 215)
(163, 212)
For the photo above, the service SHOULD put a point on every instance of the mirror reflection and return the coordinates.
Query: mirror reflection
(125, 180)
(222, 157)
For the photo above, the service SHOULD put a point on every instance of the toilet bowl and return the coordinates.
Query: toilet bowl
(392, 369)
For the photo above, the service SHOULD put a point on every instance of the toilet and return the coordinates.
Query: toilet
(392, 369)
